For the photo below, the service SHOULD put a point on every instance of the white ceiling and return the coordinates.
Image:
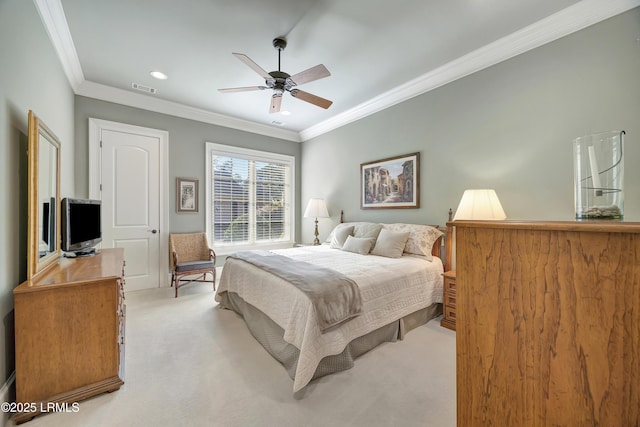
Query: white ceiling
(379, 52)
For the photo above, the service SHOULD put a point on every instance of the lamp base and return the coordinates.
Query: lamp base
(316, 241)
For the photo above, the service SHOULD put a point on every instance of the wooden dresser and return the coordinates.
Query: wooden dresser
(69, 332)
(548, 323)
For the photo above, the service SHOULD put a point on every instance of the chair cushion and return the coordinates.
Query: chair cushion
(195, 265)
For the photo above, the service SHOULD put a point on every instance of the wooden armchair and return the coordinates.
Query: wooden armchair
(190, 256)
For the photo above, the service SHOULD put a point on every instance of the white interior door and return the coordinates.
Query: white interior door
(130, 189)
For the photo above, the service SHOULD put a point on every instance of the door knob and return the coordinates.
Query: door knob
(154, 231)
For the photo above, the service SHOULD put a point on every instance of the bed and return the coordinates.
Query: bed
(399, 285)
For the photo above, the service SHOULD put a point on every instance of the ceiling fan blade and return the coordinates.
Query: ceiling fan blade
(242, 89)
(311, 98)
(313, 73)
(255, 67)
(276, 101)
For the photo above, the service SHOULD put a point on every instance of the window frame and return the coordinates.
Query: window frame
(211, 149)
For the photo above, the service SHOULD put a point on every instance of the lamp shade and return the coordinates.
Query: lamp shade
(480, 204)
(316, 209)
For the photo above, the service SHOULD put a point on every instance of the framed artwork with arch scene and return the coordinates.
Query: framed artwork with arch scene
(391, 183)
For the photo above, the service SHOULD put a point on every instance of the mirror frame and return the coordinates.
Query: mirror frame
(36, 264)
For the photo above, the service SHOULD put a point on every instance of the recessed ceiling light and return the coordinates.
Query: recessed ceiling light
(158, 75)
(285, 113)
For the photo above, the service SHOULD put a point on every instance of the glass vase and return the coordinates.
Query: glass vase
(598, 164)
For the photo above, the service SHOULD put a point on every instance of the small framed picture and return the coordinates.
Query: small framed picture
(186, 195)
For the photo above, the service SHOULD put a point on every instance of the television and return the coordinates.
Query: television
(81, 226)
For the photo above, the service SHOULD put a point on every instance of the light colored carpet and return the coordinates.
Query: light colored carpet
(189, 363)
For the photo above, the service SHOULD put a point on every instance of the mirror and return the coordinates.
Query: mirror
(44, 197)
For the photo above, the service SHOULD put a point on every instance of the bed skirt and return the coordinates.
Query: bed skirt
(270, 335)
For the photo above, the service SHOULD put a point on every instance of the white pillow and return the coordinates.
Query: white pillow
(390, 244)
(358, 229)
(359, 245)
(340, 236)
(421, 237)
(368, 230)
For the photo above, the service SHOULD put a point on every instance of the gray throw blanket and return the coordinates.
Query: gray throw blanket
(335, 297)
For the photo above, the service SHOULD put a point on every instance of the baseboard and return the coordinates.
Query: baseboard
(5, 396)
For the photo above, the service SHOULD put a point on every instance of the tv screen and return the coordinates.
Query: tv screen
(45, 222)
(81, 225)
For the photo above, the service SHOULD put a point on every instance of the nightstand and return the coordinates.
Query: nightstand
(449, 300)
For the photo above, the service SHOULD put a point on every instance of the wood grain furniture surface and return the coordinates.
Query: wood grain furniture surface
(69, 331)
(449, 300)
(548, 323)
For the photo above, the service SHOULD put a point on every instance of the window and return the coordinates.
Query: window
(249, 198)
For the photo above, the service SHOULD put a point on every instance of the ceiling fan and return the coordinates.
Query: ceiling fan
(280, 81)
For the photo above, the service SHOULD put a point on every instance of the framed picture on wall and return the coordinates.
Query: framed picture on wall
(392, 183)
(186, 195)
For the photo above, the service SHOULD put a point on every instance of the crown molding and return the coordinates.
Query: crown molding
(55, 23)
(560, 24)
(120, 96)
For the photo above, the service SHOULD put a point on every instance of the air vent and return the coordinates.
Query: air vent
(143, 88)
(277, 123)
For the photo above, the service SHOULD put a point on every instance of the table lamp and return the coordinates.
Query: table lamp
(480, 204)
(316, 209)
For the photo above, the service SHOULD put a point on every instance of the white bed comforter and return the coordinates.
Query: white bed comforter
(391, 288)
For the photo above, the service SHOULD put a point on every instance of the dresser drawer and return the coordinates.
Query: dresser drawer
(450, 300)
(450, 313)
(450, 286)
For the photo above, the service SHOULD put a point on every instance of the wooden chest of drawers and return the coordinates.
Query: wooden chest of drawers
(70, 326)
(449, 300)
(549, 326)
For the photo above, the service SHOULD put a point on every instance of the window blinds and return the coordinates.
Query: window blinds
(250, 199)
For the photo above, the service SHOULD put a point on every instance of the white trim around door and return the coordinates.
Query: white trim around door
(96, 126)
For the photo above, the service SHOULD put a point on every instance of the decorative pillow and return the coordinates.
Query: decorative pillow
(357, 244)
(368, 230)
(390, 243)
(340, 236)
(360, 229)
(339, 226)
(421, 237)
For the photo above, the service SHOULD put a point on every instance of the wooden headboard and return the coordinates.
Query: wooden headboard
(436, 250)
(448, 244)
